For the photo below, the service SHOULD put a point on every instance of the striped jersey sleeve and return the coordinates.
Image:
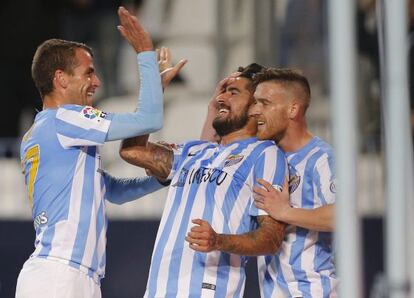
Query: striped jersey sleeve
(271, 166)
(81, 125)
(324, 180)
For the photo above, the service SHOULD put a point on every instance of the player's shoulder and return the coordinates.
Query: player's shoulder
(87, 112)
(323, 145)
(194, 146)
(325, 154)
(84, 117)
(267, 145)
(324, 148)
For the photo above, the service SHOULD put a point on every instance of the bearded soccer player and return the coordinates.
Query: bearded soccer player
(212, 183)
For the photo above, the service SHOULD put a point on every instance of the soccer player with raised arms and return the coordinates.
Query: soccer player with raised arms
(60, 157)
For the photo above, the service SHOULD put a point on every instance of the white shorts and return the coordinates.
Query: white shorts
(52, 279)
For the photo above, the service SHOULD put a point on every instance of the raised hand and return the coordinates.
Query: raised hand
(202, 237)
(167, 70)
(133, 31)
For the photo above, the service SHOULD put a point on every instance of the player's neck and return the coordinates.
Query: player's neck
(51, 102)
(246, 132)
(235, 136)
(295, 138)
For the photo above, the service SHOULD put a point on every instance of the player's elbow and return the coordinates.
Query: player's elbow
(126, 154)
(155, 123)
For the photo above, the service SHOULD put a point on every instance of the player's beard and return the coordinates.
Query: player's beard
(228, 125)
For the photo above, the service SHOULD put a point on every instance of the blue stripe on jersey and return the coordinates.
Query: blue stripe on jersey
(46, 241)
(85, 209)
(296, 258)
(322, 261)
(325, 147)
(159, 249)
(75, 132)
(103, 261)
(99, 226)
(267, 284)
(317, 178)
(280, 277)
(307, 189)
(240, 284)
(281, 168)
(243, 259)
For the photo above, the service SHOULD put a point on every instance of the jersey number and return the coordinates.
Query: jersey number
(32, 157)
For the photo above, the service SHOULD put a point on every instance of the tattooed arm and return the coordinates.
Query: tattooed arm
(156, 158)
(265, 240)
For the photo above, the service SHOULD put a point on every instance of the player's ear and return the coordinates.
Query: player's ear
(60, 79)
(294, 109)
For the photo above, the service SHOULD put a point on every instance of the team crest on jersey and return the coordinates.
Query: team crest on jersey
(233, 159)
(294, 179)
(92, 113)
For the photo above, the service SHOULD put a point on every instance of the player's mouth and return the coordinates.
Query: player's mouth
(90, 93)
(223, 111)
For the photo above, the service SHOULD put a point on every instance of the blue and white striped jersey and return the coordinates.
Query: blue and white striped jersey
(214, 183)
(60, 160)
(304, 265)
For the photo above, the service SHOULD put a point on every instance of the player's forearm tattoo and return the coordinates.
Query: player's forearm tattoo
(162, 158)
(154, 157)
(265, 240)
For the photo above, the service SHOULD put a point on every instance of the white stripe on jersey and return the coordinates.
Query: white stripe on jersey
(67, 142)
(39, 238)
(77, 119)
(91, 238)
(65, 231)
(271, 159)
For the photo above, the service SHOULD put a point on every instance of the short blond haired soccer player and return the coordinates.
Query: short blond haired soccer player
(60, 156)
(303, 266)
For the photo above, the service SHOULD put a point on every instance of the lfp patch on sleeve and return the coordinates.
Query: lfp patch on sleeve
(93, 113)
